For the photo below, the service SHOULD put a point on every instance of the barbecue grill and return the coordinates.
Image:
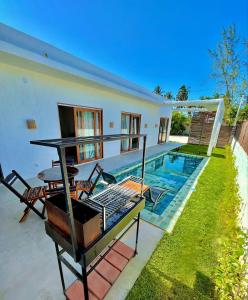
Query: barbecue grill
(119, 207)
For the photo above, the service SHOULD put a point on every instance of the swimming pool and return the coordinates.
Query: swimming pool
(174, 172)
(168, 171)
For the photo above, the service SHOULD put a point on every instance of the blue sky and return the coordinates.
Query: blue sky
(162, 42)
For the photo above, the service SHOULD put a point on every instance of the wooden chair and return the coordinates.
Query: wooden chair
(87, 186)
(56, 163)
(69, 162)
(29, 196)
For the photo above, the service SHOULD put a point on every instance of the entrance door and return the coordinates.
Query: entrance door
(162, 135)
(130, 124)
(88, 122)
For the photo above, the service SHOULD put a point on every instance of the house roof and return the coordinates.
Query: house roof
(29, 52)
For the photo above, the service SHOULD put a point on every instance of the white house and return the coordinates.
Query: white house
(48, 93)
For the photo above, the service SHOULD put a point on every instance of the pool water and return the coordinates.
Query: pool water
(168, 171)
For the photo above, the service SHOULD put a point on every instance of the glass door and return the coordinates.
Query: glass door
(162, 135)
(125, 129)
(135, 129)
(88, 123)
(130, 124)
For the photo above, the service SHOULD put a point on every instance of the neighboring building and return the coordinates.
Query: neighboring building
(61, 95)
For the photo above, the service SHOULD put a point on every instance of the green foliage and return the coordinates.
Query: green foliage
(183, 93)
(168, 96)
(243, 114)
(230, 273)
(187, 264)
(158, 90)
(179, 122)
(230, 65)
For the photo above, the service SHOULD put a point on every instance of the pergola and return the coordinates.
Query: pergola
(198, 106)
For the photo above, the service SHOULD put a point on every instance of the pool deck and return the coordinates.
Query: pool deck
(28, 262)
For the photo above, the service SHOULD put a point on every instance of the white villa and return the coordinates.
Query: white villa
(48, 93)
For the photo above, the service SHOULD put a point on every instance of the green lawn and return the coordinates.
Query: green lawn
(183, 263)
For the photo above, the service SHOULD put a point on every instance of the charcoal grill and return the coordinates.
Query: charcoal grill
(119, 208)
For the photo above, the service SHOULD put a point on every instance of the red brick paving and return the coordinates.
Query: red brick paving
(124, 250)
(105, 274)
(116, 260)
(107, 271)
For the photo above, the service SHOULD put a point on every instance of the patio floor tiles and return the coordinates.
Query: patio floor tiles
(107, 271)
(116, 259)
(104, 275)
(124, 250)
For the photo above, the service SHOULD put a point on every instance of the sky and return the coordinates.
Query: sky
(154, 42)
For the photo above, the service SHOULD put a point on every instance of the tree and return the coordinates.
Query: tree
(227, 64)
(168, 96)
(182, 94)
(157, 90)
(179, 123)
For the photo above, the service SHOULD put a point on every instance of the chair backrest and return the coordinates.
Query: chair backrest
(69, 162)
(109, 178)
(97, 169)
(9, 180)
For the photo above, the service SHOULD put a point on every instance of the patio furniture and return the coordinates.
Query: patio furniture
(56, 163)
(87, 186)
(108, 178)
(30, 195)
(69, 162)
(88, 258)
(53, 176)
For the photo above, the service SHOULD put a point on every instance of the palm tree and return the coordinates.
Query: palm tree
(157, 90)
(168, 96)
(183, 93)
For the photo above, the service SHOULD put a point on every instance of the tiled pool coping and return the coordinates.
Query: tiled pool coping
(169, 217)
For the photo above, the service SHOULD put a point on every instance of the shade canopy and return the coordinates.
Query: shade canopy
(70, 142)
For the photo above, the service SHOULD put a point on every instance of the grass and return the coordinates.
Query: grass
(183, 264)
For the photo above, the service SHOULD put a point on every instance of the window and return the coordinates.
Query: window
(130, 124)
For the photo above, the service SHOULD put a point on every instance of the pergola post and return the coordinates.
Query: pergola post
(216, 127)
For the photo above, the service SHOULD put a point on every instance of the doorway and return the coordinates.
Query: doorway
(130, 124)
(163, 128)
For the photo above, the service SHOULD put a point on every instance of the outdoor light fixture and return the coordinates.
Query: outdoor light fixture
(31, 124)
(146, 125)
(111, 124)
(156, 125)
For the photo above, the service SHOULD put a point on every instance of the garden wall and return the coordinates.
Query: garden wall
(241, 135)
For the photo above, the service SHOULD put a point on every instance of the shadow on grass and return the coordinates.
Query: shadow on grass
(218, 155)
(157, 285)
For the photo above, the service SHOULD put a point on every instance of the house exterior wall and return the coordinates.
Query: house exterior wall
(26, 94)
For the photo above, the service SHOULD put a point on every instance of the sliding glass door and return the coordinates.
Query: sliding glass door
(88, 122)
(130, 124)
(162, 135)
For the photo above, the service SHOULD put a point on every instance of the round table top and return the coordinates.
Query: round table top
(54, 174)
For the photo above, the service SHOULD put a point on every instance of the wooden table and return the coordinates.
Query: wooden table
(53, 175)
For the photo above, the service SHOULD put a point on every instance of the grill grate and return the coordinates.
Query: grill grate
(111, 200)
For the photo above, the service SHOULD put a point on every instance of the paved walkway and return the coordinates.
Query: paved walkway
(28, 262)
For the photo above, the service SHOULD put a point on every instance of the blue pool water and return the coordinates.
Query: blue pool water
(168, 171)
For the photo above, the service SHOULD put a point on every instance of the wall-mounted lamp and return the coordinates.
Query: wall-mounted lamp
(156, 125)
(31, 124)
(146, 125)
(111, 124)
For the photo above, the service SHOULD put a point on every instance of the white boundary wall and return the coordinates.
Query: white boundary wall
(241, 162)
